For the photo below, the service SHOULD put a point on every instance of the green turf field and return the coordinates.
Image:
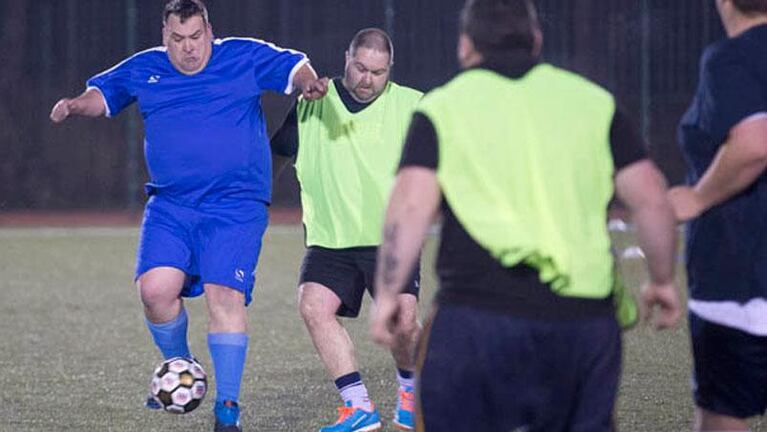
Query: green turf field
(75, 356)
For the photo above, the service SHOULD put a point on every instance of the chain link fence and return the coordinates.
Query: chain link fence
(645, 51)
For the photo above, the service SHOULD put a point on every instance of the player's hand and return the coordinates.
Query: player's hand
(315, 89)
(685, 202)
(660, 304)
(385, 320)
(61, 110)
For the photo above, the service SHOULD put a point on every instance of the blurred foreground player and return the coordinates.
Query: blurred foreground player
(522, 158)
(723, 136)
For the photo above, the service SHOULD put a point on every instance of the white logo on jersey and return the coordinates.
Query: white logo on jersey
(154, 79)
(239, 274)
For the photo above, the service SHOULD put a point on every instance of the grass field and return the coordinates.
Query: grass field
(75, 355)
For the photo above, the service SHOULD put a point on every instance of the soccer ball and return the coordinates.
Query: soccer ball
(179, 385)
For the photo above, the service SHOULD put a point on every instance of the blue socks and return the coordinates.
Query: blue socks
(170, 337)
(228, 351)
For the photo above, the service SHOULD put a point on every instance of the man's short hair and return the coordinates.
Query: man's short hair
(374, 39)
(497, 27)
(185, 9)
(749, 7)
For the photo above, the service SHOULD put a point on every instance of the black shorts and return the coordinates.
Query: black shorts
(481, 370)
(730, 369)
(348, 272)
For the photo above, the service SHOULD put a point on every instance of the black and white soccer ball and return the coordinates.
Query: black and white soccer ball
(179, 385)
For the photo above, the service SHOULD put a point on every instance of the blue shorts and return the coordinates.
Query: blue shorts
(483, 370)
(212, 245)
(730, 369)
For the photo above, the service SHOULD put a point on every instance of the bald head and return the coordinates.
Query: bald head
(373, 39)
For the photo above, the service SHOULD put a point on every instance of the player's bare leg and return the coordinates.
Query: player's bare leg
(160, 293)
(708, 421)
(318, 306)
(228, 345)
(404, 357)
(226, 309)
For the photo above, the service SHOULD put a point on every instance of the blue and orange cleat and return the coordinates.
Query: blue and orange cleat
(404, 415)
(227, 417)
(355, 420)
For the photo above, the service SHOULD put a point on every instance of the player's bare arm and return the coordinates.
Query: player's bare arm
(642, 188)
(412, 207)
(740, 160)
(312, 87)
(89, 104)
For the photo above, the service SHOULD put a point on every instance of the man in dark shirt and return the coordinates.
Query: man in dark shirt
(723, 136)
(523, 158)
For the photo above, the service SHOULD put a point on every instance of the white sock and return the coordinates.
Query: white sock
(406, 384)
(354, 393)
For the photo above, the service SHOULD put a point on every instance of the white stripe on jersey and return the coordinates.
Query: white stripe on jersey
(106, 105)
(107, 113)
(289, 89)
(153, 49)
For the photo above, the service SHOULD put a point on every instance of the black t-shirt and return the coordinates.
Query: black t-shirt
(285, 141)
(727, 245)
(468, 274)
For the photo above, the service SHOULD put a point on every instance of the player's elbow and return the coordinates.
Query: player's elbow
(749, 137)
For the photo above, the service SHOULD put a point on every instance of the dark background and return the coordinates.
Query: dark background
(645, 51)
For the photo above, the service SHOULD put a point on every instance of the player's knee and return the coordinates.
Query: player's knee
(307, 309)
(156, 295)
(312, 310)
(224, 301)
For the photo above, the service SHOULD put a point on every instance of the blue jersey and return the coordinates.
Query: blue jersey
(727, 245)
(206, 140)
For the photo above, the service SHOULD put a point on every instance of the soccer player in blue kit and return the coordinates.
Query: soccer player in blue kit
(208, 157)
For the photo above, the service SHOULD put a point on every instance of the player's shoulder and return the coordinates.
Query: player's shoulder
(719, 54)
(742, 51)
(148, 56)
(571, 79)
(240, 44)
(405, 91)
(142, 59)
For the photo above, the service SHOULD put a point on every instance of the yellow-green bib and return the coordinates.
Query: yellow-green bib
(346, 164)
(527, 169)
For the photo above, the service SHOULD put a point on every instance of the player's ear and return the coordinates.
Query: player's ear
(165, 34)
(537, 41)
(467, 53)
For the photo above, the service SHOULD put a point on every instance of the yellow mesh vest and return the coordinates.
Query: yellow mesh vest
(346, 164)
(527, 169)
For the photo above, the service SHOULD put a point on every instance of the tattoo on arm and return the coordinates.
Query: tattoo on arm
(391, 262)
